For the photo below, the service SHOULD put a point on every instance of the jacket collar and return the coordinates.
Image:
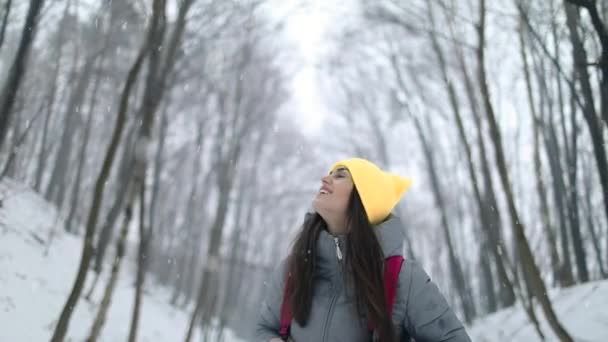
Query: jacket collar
(389, 233)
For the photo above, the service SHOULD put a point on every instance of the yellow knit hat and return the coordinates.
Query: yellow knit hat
(379, 191)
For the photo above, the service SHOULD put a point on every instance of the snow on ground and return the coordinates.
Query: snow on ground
(583, 310)
(34, 285)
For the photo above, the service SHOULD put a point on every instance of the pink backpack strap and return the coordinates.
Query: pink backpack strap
(286, 311)
(392, 267)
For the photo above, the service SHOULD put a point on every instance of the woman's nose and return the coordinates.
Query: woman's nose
(325, 179)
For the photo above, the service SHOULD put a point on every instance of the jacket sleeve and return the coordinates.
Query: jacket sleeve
(269, 320)
(428, 316)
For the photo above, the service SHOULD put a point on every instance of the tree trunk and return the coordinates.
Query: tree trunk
(602, 33)
(553, 153)
(158, 165)
(82, 154)
(19, 139)
(560, 197)
(243, 219)
(488, 204)
(538, 172)
(206, 297)
(573, 208)
(526, 257)
(490, 239)
(570, 151)
(159, 69)
(104, 305)
(87, 248)
(456, 273)
(595, 241)
(147, 112)
(18, 68)
(191, 254)
(589, 113)
(57, 185)
(124, 168)
(487, 278)
(7, 10)
(142, 262)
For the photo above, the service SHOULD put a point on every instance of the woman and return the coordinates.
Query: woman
(335, 269)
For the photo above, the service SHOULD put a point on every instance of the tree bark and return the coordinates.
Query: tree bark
(7, 11)
(19, 139)
(526, 257)
(573, 208)
(147, 112)
(571, 157)
(57, 186)
(142, 260)
(158, 166)
(538, 172)
(602, 33)
(589, 113)
(43, 155)
(125, 166)
(158, 70)
(490, 242)
(82, 154)
(488, 204)
(553, 152)
(595, 241)
(18, 68)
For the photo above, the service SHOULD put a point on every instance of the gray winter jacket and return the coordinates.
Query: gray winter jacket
(420, 311)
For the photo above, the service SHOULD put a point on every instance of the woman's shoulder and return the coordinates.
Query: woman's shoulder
(412, 278)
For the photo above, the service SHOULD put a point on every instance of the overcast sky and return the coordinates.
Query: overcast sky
(308, 25)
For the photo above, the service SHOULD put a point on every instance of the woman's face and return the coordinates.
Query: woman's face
(331, 202)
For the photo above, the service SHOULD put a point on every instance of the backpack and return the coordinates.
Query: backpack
(392, 267)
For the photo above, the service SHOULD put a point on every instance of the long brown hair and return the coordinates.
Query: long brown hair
(363, 258)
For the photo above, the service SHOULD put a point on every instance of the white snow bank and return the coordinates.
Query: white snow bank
(34, 286)
(582, 309)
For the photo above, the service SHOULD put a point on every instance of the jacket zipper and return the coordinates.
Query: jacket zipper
(336, 294)
(338, 251)
(329, 315)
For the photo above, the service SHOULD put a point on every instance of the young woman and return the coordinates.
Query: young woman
(335, 270)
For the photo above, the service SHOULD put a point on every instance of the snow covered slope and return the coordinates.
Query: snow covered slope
(583, 310)
(34, 286)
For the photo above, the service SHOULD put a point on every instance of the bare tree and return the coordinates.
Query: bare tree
(579, 55)
(18, 67)
(540, 186)
(602, 63)
(104, 305)
(87, 249)
(454, 265)
(525, 253)
(6, 12)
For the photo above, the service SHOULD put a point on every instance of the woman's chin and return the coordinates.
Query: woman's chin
(317, 204)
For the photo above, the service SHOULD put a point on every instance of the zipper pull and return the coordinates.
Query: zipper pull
(338, 251)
